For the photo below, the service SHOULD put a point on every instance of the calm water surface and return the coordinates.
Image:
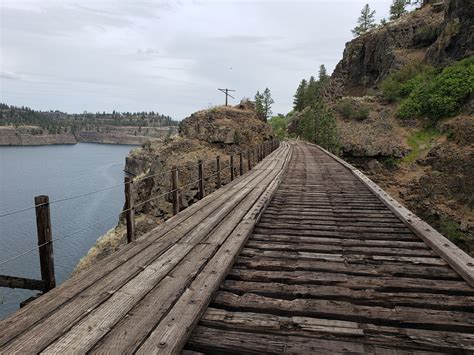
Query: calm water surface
(60, 172)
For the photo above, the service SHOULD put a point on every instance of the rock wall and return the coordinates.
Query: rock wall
(369, 58)
(456, 40)
(10, 137)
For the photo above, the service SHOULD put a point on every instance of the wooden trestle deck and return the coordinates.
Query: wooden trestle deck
(328, 265)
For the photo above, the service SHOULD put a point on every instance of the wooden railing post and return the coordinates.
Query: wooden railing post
(45, 242)
(248, 159)
(218, 172)
(129, 210)
(232, 167)
(241, 163)
(200, 181)
(174, 190)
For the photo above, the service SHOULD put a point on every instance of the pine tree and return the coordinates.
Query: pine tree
(397, 9)
(365, 22)
(267, 104)
(312, 91)
(259, 105)
(323, 74)
(298, 102)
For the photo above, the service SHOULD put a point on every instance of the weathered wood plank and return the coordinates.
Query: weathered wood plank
(408, 317)
(259, 262)
(409, 339)
(353, 281)
(366, 297)
(339, 249)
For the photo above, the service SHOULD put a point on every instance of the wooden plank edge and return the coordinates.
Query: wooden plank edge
(460, 261)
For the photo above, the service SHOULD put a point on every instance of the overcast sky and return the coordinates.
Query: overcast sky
(166, 56)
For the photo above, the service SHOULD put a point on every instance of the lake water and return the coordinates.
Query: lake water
(58, 171)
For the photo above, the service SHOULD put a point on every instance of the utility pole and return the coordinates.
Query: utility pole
(226, 92)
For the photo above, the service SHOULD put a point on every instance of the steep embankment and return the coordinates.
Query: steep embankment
(203, 135)
(426, 163)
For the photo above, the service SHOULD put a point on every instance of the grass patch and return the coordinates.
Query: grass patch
(419, 142)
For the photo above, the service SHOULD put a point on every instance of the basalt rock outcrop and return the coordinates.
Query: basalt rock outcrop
(456, 38)
(371, 57)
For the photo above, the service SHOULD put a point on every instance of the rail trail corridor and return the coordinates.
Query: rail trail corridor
(302, 254)
(330, 269)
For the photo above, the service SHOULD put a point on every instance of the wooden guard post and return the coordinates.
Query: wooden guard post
(174, 190)
(249, 152)
(129, 210)
(200, 180)
(232, 167)
(45, 242)
(218, 172)
(241, 163)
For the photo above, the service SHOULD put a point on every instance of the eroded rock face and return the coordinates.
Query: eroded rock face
(456, 40)
(369, 58)
(237, 125)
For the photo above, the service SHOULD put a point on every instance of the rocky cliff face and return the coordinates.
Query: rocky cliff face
(456, 39)
(11, 136)
(437, 33)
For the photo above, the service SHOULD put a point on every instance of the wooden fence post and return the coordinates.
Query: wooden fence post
(45, 242)
(201, 181)
(129, 210)
(241, 164)
(232, 167)
(248, 159)
(218, 172)
(174, 190)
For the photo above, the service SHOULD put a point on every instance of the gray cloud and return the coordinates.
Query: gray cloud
(165, 56)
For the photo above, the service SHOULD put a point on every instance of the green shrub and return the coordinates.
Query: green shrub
(451, 230)
(390, 162)
(352, 109)
(401, 83)
(439, 95)
(279, 125)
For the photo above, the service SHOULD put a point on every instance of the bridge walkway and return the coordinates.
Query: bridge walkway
(329, 268)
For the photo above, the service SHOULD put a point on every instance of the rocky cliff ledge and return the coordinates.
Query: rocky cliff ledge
(204, 135)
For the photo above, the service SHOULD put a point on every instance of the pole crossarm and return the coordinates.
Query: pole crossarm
(227, 95)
